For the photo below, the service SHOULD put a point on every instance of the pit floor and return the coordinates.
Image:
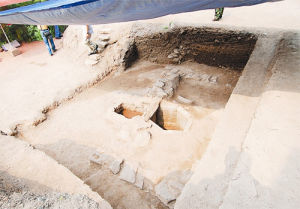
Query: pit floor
(88, 123)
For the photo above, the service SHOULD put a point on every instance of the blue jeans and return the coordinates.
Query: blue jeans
(45, 39)
(57, 33)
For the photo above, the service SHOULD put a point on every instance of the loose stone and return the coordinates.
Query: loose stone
(128, 173)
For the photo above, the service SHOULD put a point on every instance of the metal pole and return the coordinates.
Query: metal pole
(6, 37)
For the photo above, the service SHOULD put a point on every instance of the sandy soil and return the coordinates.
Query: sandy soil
(33, 80)
(67, 75)
(25, 169)
(95, 126)
(273, 15)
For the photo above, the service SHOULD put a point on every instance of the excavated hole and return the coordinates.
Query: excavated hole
(127, 112)
(207, 88)
(171, 118)
(168, 117)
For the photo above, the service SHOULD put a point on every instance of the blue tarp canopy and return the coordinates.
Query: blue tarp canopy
(82, 12)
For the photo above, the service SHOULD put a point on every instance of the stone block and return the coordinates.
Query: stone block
(171, 186)
(184, 100)
(115, 166)
(139, 182)
(128, 173)
(161, 94)
(105, 30)
(213, 79)
(164, 193)
(159, 84)
(174, 71)
(102, 44)
(101, 159)
(205, 77)
(189, 76)
(169, 91)
(104, 37)
(173, 77)
(176, 60)
(172, 56)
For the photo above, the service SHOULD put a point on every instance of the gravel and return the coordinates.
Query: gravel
(15, 194)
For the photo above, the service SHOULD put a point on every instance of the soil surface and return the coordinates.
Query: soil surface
(210, 46)
(87, 123)
(14, 193)
(96, 126)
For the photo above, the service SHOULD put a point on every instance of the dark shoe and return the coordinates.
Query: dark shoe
(54, 50)
(57, 37)
(91, 53)
(51, 54)
(95, 51)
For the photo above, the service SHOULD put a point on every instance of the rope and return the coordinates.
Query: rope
(6, 37)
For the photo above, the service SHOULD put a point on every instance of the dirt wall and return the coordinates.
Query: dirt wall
(211, 46)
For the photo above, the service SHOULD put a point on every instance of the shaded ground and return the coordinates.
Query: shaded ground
(30, 177)
(15, 193)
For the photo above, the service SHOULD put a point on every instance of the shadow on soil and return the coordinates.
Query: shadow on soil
(237, 187)
(118, 193)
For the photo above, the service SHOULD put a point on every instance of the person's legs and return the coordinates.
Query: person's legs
(221, 12)
(57, 32)
(46, 42)
(218, 13)
(92, 46)
(52, 43)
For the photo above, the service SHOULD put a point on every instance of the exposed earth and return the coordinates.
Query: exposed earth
(174, 112)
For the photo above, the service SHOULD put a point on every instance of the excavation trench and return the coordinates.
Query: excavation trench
(134, 137)
(166, 118)
(195, 71)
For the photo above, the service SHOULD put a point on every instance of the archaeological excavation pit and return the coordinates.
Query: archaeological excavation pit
(172, 117)
(193, 71)
(127, 112)
(187, 52)
(149, 124)
(168, 116)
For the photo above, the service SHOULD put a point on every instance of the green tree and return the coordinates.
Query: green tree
(23, 33)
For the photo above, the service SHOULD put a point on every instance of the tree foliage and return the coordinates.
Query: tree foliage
(26, 3)
(23, 33)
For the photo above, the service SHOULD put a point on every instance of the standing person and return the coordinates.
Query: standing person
(93, 47)
(46, 35)
(57, 32)
(218, 13)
